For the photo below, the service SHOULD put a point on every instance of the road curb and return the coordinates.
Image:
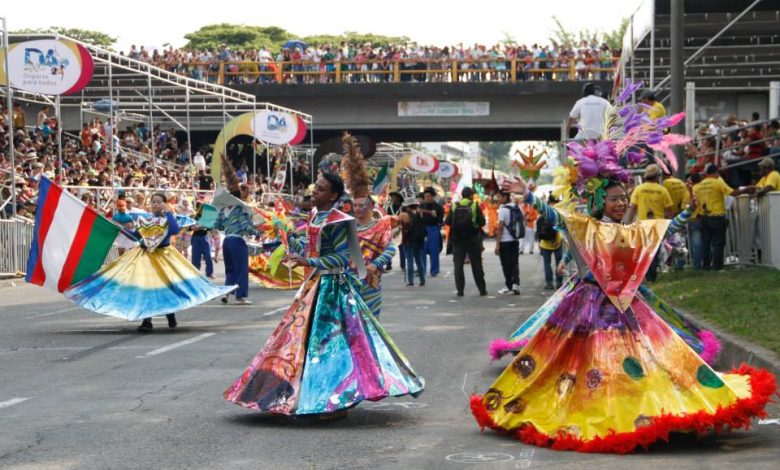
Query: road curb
(736, 350)
(12, 282)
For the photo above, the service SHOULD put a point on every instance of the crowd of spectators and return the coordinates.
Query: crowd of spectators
(92, 160)
(318, 63)
(735, 146)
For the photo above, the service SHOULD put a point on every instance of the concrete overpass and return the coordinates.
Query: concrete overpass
(533, 110)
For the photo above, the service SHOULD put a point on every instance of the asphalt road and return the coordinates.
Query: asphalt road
(83, 391)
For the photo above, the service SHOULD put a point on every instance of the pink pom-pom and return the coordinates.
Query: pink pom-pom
(500, 346)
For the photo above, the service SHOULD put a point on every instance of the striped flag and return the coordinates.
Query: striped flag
(70, 242)
(381, 181)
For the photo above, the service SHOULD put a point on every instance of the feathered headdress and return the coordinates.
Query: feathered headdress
(353, 168)
(592, 165)
(232, 182)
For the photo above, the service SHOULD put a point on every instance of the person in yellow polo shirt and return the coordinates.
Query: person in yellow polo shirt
(770, 178)
(654, 108)
(650, 200)
(679, 193)
(711, 193)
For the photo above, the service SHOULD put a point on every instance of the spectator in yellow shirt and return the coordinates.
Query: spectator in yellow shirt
(770, 178)
(655, 109)
(650, 200)
(679, 193)
(711, 193)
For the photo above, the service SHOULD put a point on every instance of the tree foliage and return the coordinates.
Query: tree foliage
(495, 154)
(359, 39)
(273, 37)
(564, 36)
(91, 37)
(237, 37)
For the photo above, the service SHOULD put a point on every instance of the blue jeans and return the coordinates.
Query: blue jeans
(236, 256)
(694, 233)
(202, 249)
(432, 248)
(547, 256)
(414, 255)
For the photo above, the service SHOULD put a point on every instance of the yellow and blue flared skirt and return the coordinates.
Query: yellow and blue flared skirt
(142, 284)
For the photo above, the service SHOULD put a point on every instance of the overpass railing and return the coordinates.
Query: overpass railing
(400, 70)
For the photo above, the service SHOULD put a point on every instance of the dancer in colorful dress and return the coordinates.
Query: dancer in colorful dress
(328, 353)
(604, 373)
(376, 236)
(151, 279)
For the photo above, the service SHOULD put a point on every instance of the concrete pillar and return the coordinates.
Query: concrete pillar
(690, 108)
(774, 99)
(677, 59)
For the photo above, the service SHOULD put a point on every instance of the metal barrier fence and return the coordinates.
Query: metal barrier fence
(15, 239)
(753, 235)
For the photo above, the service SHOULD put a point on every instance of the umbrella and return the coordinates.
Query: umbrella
(293, 43)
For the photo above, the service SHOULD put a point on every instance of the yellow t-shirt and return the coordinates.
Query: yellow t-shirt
(711, 193)
(552, 244)
(678, 191)
(772, 179)
(650, 199)
(656, 111)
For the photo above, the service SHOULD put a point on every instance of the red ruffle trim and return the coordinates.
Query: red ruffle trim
(735, 416)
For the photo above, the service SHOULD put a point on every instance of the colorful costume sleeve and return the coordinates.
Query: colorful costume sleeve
(237, 222)
(679, 222)
(173, 224)
(297, 244)
(337, 234)
(384, 259)
(548, 212)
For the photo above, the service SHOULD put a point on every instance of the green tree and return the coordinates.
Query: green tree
(495, 154)
(354, 38)
(566, 37)
(237, 37)
(95, 38)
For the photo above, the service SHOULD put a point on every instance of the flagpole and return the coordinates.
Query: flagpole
(10, 106)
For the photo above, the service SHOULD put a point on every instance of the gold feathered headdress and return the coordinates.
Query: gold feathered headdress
(353, 168)
(231, 179)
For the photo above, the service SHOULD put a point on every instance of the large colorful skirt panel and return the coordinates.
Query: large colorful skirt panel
(328, 353)
(704, 342)
(283, 278)
(596, 379)
(141, 284)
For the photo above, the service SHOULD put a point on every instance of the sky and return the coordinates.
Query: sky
(155, 23)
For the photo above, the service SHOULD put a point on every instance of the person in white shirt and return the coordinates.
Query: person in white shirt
(507, 246)
(589, 113)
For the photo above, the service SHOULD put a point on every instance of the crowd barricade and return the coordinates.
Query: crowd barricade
(753, 236)
(15, 239)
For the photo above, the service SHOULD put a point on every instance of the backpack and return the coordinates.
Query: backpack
(516, 225)
(463, 222)
(545, 230)
(416, 232)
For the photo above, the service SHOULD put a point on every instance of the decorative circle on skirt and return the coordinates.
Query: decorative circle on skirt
(525, 365)
(493, 399)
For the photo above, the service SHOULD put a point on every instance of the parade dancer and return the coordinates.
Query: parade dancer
(235, 220)
(151, 279)
(376, 236)
(604, 373)
(329, 352)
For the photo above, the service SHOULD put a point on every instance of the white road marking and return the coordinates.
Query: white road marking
(275, 311)
(13, 401)
(763, 422)
(57, 312)
(173, 346)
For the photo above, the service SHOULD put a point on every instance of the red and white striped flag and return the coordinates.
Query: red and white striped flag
(70, 242)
